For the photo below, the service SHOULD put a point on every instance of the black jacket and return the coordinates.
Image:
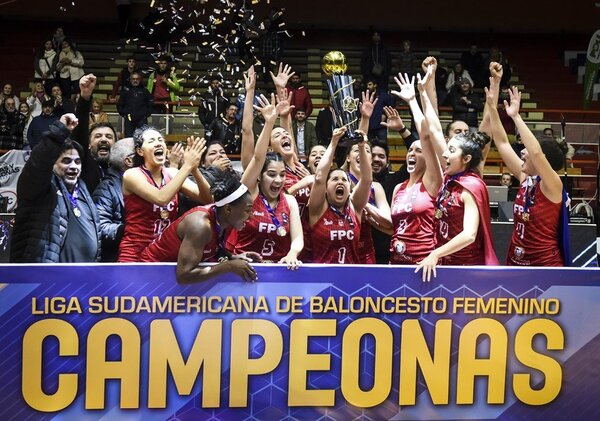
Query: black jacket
(108, 197)
(135, 101)
(42, 220)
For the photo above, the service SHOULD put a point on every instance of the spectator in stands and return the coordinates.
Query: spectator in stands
(12, 124)
(506, 179)
(325, 124)
(7, 93)
(70, 66)
(108, 197)
(407, 61)
(123, 80)
(549, 133)
(376, 129)
(163, 85)
(473, 62)
(62, 105)
(37, 97)
(41, 124)
(498, 56)
(270, 47)
(455, 77)
(304, 133)
(56, 220)
(441, 77)
(57, 38)
(213, 102)
(45, 66)
(227, 129)
(135, 104)
(466, 104)
(301, 97)
(24, 110)
(376, 62)
(214, 161)
(97, 115)
(517, 145)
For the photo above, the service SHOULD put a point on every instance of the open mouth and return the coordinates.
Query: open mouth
(159, 153)
(103, 149)
(339, 192)
(275, 189)
(286, 144)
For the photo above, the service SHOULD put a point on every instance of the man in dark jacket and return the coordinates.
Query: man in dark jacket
(466, 104)
(41, 124)
(213, 102)
(56, 220)
(108, 197)
(12, 125)
(135, 104)
(228, 130)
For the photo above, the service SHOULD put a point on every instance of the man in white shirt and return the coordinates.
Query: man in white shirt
(304, 133)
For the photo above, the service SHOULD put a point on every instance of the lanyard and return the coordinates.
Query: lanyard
(530, 196)
(281, 231)
(443, 194)
(73, 199)
(371, 195)
(345, 215)
(162, 178)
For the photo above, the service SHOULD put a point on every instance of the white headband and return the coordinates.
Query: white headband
(233, 196)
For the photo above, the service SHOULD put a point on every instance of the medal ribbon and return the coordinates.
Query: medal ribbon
(272, 212)
(371, 195)
(73, 198)
(162, 184)
(444, 190)
(530, 193)
(345, 215)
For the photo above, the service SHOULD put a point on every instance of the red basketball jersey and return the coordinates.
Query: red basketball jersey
(335, 238)
(260, 232)
(534, 241)
(166, 247)
(413, 220)
(302, 197)
(144, 221)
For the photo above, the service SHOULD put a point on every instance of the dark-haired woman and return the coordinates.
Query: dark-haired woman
(70, 68)
(275, 231)
(334, 214)
(540, 221)
(463, 233)
(199, 235)
(150, 190)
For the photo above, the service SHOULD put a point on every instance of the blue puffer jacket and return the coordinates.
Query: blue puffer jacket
(41, 220)
(108, 197)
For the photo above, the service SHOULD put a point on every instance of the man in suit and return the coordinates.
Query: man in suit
(304, 132)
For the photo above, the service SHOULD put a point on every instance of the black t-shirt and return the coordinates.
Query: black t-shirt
(81, 244)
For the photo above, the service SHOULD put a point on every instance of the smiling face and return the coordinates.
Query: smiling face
(338, 188)
(153, 149)
(213, 152)
(353, 158)
(236, 215)
(316, 153)
(456, 161)
(68, 168)
(379, 159)
(415, 160)
(24, 108)
(281, 142)
(101, 140)
(272, 179)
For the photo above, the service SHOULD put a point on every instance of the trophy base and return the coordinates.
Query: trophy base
(350, 139)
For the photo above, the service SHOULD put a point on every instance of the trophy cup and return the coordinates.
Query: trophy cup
(341, 94)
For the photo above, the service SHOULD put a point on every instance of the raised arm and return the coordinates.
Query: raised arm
(134, 182)
(360, 195)
(284, 109)
(248, 118)
(317, 202)
(430, 81)
(296, 234)
(200, 190)
(252, 172)
(366, 110)
(551, 184)
(407, 93)
(283, 75)
(438, 141)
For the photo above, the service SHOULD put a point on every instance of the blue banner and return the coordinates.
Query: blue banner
(126, 342)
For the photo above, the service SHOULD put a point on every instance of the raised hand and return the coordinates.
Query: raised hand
(194, 150)
(515, 102)
(266, 108)
(496, 71)
(223, 163)
(250, 79)
(301, 170)
(86, 85)
(338, 134)
(283, 75)
(69, 120)
(407, 87)
(429, 61)
(368, 104)
(423, 82)
(394, 122)
(284, 102)
(175, 156)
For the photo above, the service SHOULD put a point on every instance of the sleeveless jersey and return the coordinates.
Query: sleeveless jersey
(302, 197)
(260, 233)
(481, 251)
(166, 247)
(144, 222)
(366, 246)
(291, 178)
(413, 220)
(535, 242)
(335, 238)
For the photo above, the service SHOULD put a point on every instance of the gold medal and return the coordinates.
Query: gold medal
(76, 212)
(281, 231)
(164, 214)
(526, 216)
(438, 213)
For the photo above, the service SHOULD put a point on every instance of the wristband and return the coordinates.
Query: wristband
(403, 129)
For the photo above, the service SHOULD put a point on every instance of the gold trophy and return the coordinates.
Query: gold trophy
(341, 94)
